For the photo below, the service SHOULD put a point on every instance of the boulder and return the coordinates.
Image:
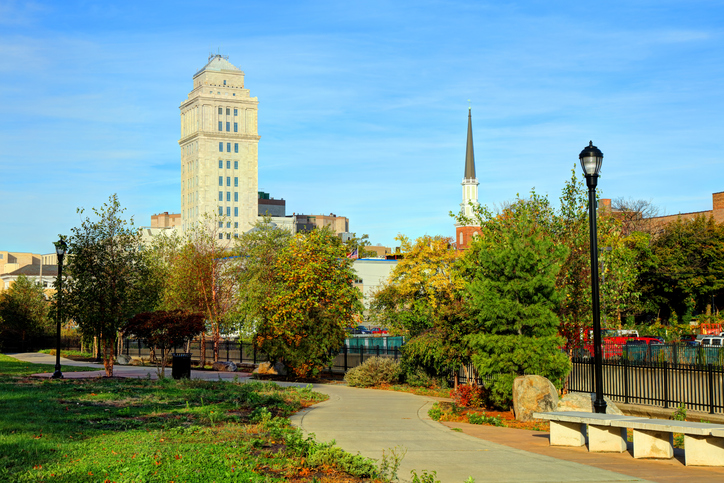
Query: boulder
(224, 366)
(123, 360)
(267, 368)
(583, 402)
(533, 394)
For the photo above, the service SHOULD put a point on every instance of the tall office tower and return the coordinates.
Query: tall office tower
(219, 150)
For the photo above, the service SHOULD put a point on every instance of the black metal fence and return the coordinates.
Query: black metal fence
(699, 387)
(33, 344)
(352, 354)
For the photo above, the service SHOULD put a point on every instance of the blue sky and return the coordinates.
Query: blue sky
(362, 106)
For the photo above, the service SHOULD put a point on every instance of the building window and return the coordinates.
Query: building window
(224, 82)
(221, 147)
(228, 196)
(228, 147)
(228, 181)
(236, 235)
(221, 210)
(221, 181)
(227, 111)
(221, 111)
(228, 164)
(236, 112)
(228, 211)
(236, 181)
(236, 196)
(236, 164)
(228, 236)
(228, 126)
(236, 211)
(236, 147)
(221, 196)
(228, 224)
(236, 127)
(221, 164)
(221, 224)
(236, 224)
(221, 126)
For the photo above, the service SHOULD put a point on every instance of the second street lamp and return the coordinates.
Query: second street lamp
(591, 159)
(60, 248)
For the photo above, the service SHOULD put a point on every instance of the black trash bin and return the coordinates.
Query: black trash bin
(181, 366)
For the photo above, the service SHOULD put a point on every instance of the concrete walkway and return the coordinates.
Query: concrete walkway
(369, 421)
(139, 372)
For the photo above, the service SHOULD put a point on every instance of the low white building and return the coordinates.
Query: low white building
(372, 274)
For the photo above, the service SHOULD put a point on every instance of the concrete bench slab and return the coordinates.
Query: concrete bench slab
(568, 428)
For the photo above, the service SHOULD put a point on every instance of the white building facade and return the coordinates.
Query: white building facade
(219, 150)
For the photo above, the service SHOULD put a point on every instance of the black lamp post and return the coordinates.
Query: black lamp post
(60, 248)
(591, 159)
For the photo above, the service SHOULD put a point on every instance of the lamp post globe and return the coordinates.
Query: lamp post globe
(60, 249)
(591, 160)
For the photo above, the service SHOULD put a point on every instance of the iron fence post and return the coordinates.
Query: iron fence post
(378, 351)
(625, 381)
(710, 367)
(344, 349)
(254, 353)
(666, 385)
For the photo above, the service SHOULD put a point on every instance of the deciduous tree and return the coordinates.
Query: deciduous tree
(311, 300)
(23, 311)
(107, 276)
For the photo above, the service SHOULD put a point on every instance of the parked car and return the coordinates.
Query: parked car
(379, 331)
(361, 329)
(712, 341)
(688, 339)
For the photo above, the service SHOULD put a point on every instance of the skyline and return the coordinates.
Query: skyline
(362, 109)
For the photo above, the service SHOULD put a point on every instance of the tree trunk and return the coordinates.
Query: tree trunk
(217, 336)
(202, 357)
(108, 356)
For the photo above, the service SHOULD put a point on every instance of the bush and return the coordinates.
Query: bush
(474, 418)
(373, 372)
(467, 396)
(419, 378)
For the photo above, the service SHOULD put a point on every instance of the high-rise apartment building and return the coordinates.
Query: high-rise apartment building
(219, 150)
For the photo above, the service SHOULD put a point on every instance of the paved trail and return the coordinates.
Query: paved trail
(369, 421)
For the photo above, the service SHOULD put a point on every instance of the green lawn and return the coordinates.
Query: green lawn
(11, 366)
(140, 430)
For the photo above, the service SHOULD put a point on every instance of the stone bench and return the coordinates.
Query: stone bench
(652, 438)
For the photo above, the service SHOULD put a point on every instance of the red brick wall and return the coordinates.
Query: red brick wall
(464, 236)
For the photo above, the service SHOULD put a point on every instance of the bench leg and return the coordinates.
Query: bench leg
(567, 434)
(703, 450)
(653, 444)
(606, 439)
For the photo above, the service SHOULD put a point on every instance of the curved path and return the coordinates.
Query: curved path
(369, 421)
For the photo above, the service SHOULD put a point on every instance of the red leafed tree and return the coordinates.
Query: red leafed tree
(165, 329)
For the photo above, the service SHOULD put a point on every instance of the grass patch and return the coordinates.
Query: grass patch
(75, 355)
(13, 367)
(134, 430)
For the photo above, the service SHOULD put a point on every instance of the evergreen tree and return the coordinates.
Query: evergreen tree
(513, 299)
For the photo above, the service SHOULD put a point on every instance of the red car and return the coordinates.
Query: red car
(379, 331)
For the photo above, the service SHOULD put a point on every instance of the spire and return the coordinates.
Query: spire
(469, 154)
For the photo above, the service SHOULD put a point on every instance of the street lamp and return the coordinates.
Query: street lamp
(591, 159)
(60, 248)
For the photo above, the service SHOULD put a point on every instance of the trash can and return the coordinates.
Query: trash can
(181, 367)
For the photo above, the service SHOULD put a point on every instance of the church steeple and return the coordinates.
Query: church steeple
(470, 182)
(469, 152)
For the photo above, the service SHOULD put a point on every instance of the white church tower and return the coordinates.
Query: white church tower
(465, 233)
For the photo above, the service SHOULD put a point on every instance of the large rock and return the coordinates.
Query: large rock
(583, 402)
(123, 360)
(224, 366)
(533, 394)
(267, 368)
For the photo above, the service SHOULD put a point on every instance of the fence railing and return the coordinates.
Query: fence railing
(353, 353)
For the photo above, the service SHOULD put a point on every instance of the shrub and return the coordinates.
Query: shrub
(435, 412)
(475, 418)
(373, 372)
(467, 396)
